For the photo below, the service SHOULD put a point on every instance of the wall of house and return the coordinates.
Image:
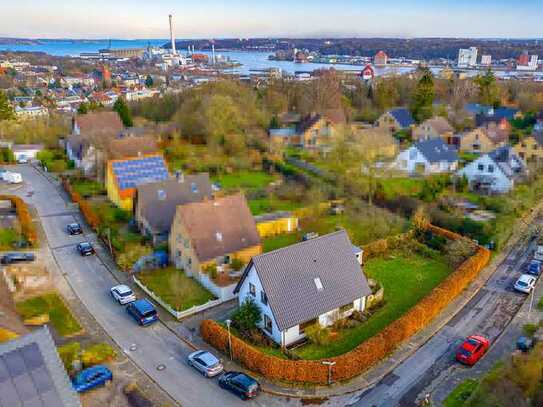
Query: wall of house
(388, 122)
(113, 193)
(317, 135)
(529, 149)
(277, 226)
(500, 183)
(409, 159)
(476, 141)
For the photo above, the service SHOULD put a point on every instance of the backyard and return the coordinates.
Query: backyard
(53, 306)
(87, 187)
(406, 277)
(8, 238)
(175, 288)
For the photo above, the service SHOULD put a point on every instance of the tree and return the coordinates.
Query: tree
(149, 81)
(488, 89)
(423, 98)
(83, 108)
(124, 112)
(247, 316)
(6, 111)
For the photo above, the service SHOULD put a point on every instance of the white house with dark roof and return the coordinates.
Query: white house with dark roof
(316, 281)
(432, 156)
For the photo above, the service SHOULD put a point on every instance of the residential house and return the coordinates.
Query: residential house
(32, 373)
(276, 223)
(156, 202)
(125, 175)
(31, 112)
(436, 127)
(314, 282)
(396, 119)
(210, 235)
(530, 148)
(481, 140)
(432, 156)
(26, 151)
(311, 132)
(374, 142)
(495, 172)
(90, 132)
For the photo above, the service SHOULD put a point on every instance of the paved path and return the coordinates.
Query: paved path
(91, 280)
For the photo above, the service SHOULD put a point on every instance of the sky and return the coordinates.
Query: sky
(130, 19)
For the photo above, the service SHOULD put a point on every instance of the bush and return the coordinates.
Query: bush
(456, 251)
(247, 316)
(131, 254)
(97, 354)
(236, 264)
(68, 353)
(530, 329)
(25, 220)
(318, 334)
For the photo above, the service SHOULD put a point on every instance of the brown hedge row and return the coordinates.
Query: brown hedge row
(86, 210)
(368, 352)
(25, 220)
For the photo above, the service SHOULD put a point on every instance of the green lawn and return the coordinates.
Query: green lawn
(8, 238)
(175, 288)
(244, 180)
(279, 241)
(87, 187)
(461, 393)
(406, 278)
(401, 186)
(52, 304)
(267, 205)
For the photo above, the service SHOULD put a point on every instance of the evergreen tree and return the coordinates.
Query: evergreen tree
(124, 112)
(488, 89)
(149, 81)
(6, 111)
(423, 98)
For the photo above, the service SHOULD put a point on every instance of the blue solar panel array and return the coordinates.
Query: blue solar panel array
(131, 173)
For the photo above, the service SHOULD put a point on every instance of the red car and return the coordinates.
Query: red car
(473, 349)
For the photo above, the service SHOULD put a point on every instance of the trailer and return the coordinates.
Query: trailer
(13, 177)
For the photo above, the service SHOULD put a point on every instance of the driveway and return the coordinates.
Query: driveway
(155, 349)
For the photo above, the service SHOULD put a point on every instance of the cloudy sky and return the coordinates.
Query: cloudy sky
(262, 18)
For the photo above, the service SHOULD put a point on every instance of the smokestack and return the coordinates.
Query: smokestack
(213, 52)
(171, 34)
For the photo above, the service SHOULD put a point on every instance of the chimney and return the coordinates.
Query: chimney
(213, 52)
(179, 176)
(172, 39)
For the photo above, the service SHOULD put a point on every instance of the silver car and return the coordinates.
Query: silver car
(525, 283)
(123, 294)
(206, 363)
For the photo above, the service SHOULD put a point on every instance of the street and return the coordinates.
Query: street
(154, 349)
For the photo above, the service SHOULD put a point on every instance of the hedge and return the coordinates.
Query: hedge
(25, 220)
(86, 210)
(367, 353)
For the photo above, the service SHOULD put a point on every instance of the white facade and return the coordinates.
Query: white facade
(252, 289)
(485, 168)
(31, 112)
(486, 60)
(467, 57)
(413, 161)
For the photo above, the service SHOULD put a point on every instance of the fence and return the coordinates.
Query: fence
(176, 314)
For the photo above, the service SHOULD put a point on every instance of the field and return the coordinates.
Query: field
(244, 180)
(175, 288)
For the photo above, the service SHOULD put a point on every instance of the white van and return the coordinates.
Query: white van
(13, 177)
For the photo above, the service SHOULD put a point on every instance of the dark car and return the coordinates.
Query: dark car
(85, 249)
(473, 349)
(142, 311)
(534, 267)
(240, 384)
(74, 229)
(11, 258)
(92, 377)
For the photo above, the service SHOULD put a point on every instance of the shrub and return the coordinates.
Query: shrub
(131, 254)
(530, 329)
(97, 354)
(68, 353)
(25, 219)
(318, 334)
(247, 316)
(236, 264)
(456, 251)
(211, 269)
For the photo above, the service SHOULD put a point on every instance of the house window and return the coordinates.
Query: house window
(268, 324)
(252, 289)
(491, 168)
(413, 154)
(302, 327)
(263, 298)
(481, 167)
(476, 147)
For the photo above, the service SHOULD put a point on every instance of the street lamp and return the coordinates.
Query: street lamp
(228, 322)
(329, 364)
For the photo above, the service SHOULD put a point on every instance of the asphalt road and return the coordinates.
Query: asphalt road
(432, 367)
(154, 349)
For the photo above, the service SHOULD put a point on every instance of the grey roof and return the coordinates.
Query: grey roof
(403, 116)
(436, 150)
(32, 374)
(157, 201)
(288, 278)
(508, 161)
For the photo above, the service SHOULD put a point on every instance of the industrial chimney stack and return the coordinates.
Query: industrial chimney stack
(171, 35)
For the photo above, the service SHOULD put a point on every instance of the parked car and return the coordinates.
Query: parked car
(534, 267)
(10, 258)
(206, 363)
(92, 377)
(142, 311)
(12, 177)
(74, 229)
(525, 283)
(85, 249)
(23, 159)
(240, 384)
(123, 294)
(473, 349)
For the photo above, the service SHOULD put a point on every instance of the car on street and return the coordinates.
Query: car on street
(85, 249)
(142, 311)
(206, 363)
(242, 385)
(74, 229)
(525, 283)
(10, 258)
(91, 378)
(534, 267)
(472, 349)
(123, 294)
